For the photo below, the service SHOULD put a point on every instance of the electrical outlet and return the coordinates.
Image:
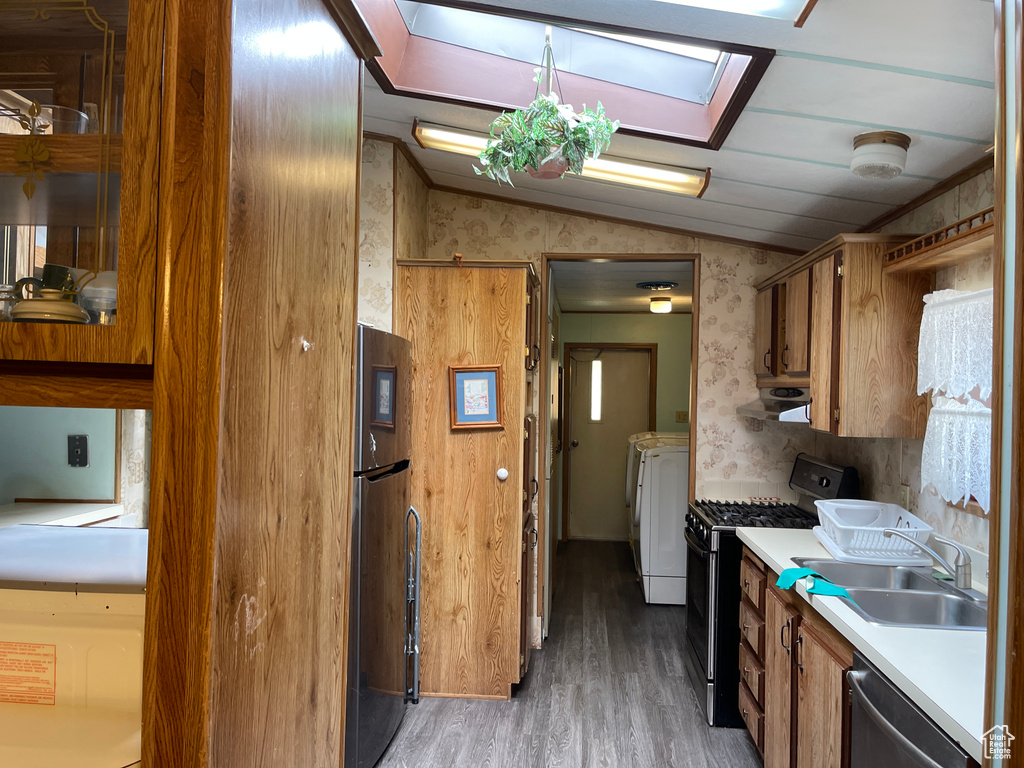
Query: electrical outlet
(78, 450)
(905, 496)
(682, 417)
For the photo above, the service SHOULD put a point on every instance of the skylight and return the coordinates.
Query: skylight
(789, 10)
(686, 72)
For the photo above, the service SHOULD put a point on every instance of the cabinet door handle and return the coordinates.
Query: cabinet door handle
(784, 350)
(799, 641)
(746, 585)
(765, 360)
(782, 635)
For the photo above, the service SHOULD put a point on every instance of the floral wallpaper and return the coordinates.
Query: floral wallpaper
(136, 439)
(737, 456)
(411, 211)
(376, 233)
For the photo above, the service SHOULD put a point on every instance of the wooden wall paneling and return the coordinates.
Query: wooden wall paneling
(247, 597)
(195, 130)
(280, 591)
(472, 529)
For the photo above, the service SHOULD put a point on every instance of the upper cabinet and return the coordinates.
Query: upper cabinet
(767, 332)
(79, 129)
(796, 351)
(853, 331)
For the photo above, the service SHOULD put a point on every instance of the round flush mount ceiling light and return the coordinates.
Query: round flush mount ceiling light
(661, 305)
(879, 154)
(657, 285)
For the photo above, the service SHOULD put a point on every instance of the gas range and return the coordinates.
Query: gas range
(713, 559)
(705, 517)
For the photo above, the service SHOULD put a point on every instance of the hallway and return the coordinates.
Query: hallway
(609, 689)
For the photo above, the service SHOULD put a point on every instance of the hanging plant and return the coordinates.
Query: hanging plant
(547, 138)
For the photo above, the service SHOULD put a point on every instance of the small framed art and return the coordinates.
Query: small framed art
(475, 396)
(383, 396)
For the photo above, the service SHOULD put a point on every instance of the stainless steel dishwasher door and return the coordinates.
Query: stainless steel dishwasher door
(889, 730)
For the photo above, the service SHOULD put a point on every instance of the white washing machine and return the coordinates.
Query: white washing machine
(658, 500)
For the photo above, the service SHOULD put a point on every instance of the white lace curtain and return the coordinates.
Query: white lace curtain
(955, 364)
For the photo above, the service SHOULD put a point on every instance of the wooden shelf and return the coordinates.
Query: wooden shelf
(959, 242)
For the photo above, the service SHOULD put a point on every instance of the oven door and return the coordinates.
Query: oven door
(699, 575)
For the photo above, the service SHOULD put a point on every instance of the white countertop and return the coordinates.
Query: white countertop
(56, 513)
(940, 670)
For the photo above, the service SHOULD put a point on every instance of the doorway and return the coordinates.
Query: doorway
(612, 394)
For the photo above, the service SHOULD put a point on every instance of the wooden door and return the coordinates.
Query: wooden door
(826, 297)
(472, 520)
(796, 353)
(822, 703)
(766, 326)
(781, 625)
(620, 388)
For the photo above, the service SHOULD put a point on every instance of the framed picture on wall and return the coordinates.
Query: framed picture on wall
(383, 396)
(475, 392)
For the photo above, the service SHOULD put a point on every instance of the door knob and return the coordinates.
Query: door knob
(503, 474)
(574, 444)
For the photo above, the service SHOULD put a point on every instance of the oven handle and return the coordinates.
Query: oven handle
(693, 544)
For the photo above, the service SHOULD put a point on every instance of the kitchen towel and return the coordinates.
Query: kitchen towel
(957, 450)
(955, 348)
(816, 584)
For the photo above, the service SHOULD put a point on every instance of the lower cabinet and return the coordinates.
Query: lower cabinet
(807, 704)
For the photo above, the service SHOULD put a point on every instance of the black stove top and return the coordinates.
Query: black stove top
(754, 514)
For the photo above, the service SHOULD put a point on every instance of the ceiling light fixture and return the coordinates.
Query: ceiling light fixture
(665, 178)
(879, 154)
(661, 305)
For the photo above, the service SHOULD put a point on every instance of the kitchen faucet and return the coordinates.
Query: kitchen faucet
(961, 571)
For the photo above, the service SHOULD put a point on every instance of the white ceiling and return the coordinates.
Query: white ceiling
(587, 286)
(923, 67)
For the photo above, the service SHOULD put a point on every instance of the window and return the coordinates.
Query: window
(595, 390)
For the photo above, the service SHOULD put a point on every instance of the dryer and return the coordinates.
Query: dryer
(659, 500)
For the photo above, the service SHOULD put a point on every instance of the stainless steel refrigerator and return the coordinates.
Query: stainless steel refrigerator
(383, 661)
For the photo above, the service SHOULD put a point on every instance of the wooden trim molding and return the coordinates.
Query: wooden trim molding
(351, 21)
(944, 186)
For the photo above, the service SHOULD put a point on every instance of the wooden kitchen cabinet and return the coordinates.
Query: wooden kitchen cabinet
(478, 581)
(87, 198)
(863, 330)
(752, 646)
(796, 350)
(781, 623)
(767, 333)
(807, 707)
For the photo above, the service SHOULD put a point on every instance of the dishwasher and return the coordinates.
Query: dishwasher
(889, 729)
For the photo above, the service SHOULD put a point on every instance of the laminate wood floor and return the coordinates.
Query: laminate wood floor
(608, 689)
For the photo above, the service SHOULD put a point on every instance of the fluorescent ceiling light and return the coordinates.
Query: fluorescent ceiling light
(790, 10)
(635, 173)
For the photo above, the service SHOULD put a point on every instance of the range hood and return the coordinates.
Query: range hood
(774, 401)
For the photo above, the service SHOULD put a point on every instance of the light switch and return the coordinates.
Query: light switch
(682, 417)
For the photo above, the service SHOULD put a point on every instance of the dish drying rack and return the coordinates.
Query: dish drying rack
(852, 531)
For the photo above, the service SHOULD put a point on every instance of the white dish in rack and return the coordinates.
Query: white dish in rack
(873, 558)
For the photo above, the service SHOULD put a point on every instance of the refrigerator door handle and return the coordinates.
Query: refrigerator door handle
(412, 608)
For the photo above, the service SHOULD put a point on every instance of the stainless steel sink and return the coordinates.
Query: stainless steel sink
(872, 576)
(919, 609)
(902, 596)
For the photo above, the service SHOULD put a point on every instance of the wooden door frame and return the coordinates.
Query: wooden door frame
(1004, 668)
(546, 259)
(652, 407)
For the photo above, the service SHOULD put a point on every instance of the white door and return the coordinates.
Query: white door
(609, 391)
